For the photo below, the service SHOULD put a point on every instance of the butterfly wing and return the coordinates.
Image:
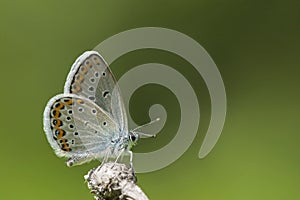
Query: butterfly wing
(90, 77)
(78, 128)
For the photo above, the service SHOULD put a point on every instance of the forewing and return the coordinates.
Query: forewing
(90, 77)
(75, 126)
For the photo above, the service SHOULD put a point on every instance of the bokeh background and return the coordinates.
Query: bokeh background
(255, 45)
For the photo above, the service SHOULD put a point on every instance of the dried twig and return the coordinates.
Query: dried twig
(114, 181)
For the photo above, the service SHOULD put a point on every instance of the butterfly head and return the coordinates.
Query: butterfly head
(133, 138)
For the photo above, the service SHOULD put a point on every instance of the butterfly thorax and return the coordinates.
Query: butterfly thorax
(133, 138)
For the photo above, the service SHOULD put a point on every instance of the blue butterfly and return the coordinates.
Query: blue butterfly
(88, 121)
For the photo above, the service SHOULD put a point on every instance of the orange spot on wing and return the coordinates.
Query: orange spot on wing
(89, 65)
(57, 113)
(58, 124)
(76, 88)
(61, 133)
(79, 79)
(60, 106)
(65, 146)
(70, 102)
(84, 69)
(80, 101)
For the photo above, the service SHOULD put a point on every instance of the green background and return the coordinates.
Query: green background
(255, 45)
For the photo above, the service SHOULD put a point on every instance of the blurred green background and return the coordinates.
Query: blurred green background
(255, 45)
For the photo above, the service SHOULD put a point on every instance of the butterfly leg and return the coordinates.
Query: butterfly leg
(131, 165)
(104, 160)
(119, 155)
(131, 156)
(130, 159)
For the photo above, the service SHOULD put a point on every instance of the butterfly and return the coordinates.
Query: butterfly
(88, 121)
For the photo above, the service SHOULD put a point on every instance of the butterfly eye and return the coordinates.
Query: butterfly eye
(133, 138)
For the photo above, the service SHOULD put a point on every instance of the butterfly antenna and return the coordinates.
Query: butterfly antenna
(147, 124)
(144, 134)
